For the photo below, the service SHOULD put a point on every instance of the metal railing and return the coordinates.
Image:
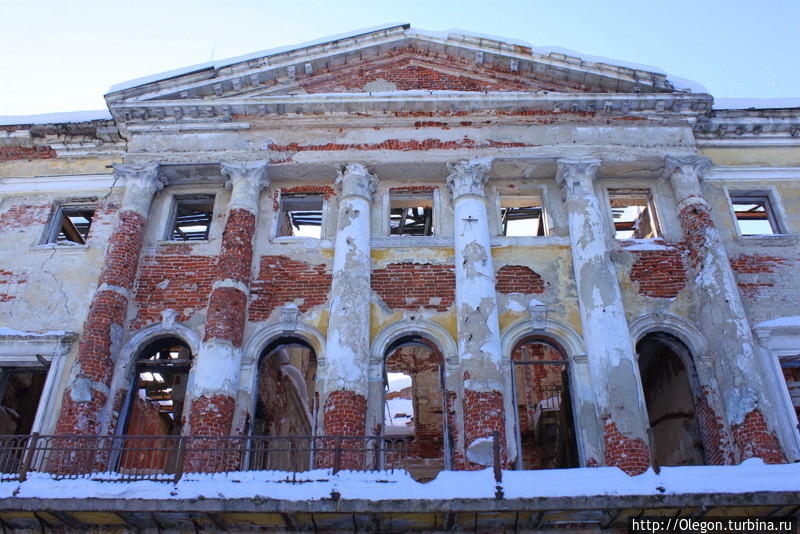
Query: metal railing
(125, 458)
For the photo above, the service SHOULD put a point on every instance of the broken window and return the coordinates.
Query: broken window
(675, 434)
(20, 389)
(633, 214)
(545, 430)
(300, 216)
(521, 216)
(790, 365)
(411, 215)
(191, 219)
(754, 213)
(71, 225)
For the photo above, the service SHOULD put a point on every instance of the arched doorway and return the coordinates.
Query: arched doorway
(414, 404)
(664, 363)
(284, 405)
(545, 428)
(154, 406)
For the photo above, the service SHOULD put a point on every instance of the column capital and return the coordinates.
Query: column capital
(468, 177)
(678, 166)
(255, 171)
(576, 174)
(142, 181)
(355, 180)
(246, 180)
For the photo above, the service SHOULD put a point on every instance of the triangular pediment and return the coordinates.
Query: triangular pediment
(395, 59)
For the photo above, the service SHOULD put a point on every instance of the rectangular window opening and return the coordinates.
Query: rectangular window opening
(192, 219)
(632, 212)
(522, 216)
(754, 214)
(71, 225)
(411, 215)
(301, 216)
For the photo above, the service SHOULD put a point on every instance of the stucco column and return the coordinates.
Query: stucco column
(91, 374)
(609, 347)
(345, 380)
(747, 399)
(215, 372)
(478, 327)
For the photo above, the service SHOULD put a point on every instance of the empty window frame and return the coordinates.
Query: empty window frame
(411, 215)
(71, 225)
(633, 214)
(300, 216)
(753, 213)
(191, 218)
(522, 216)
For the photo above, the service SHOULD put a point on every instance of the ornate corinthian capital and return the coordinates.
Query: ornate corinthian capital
(685, 173)
(468, 177)
(355, 179)
(576, 175)
(142, 176)
(251, 171)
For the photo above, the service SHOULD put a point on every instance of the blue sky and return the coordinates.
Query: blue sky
(63, 55)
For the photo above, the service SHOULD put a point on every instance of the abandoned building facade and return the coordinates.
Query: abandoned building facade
(443, 239)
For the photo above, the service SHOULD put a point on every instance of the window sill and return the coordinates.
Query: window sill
(769, 240)
(74, 247)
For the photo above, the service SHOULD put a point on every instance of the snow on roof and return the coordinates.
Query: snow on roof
(61, 117)
(452, 34)
(782, 321)
(219, 63)
(756, 103)
(750, 476)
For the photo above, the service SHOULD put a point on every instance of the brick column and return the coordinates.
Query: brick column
(719, 314)
(612, 363)
(344, 378)
(215, 373)
(90, 376)
(478, 327)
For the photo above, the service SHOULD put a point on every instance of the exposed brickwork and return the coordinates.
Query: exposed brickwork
(459, 460)
(410, 68)
(9, 153)
(177, 281)
(763, 277)
(10, 283)
(630, 455)
(23, 216)
(236, 254)
(324, 190)
(281, 280)
(695, 219)
(659, 273)
(210, 416)
(758, 263)
(226, 311)
(122, 257)
(80, 417)
(344, 415)
(410, 286)
(483, 415)
(412, 189)
(712, 431)
(518, 279)
(756, 441)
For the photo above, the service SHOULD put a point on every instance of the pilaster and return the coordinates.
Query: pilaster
(611, 359)
(478, 327)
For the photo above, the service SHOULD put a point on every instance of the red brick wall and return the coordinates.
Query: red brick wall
(226, 313)
(759, 276)
(410, 286)
(695, 219)
(659, 273)
(25, 216)
(483, 415)
(281, 280)
(211, 416)
(8, 153)
(10, 283)
(630, 455)
(755, 439)
(236, 254)
(518, 279)
(172, 279)
(344, 415)
(712, 431)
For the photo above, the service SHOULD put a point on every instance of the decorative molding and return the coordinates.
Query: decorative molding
(427, 329)
(245, 171)
(538, 313)
(678, 166)
(289, 313)
(575, 176)
(468, 177)
(143, 176)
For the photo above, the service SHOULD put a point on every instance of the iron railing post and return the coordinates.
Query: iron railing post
(27, 460)
(498, 469)
(337, 455)
(180, 458)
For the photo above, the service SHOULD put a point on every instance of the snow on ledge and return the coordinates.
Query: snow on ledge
(55, 118)
(756, 103)
(638, 245)
(793, 320)
(4, 331)
(750, 476)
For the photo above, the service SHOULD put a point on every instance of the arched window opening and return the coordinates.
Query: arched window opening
(284, 405)
(414, 404)
(155, 407)
(545, 429)
(676, 438)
